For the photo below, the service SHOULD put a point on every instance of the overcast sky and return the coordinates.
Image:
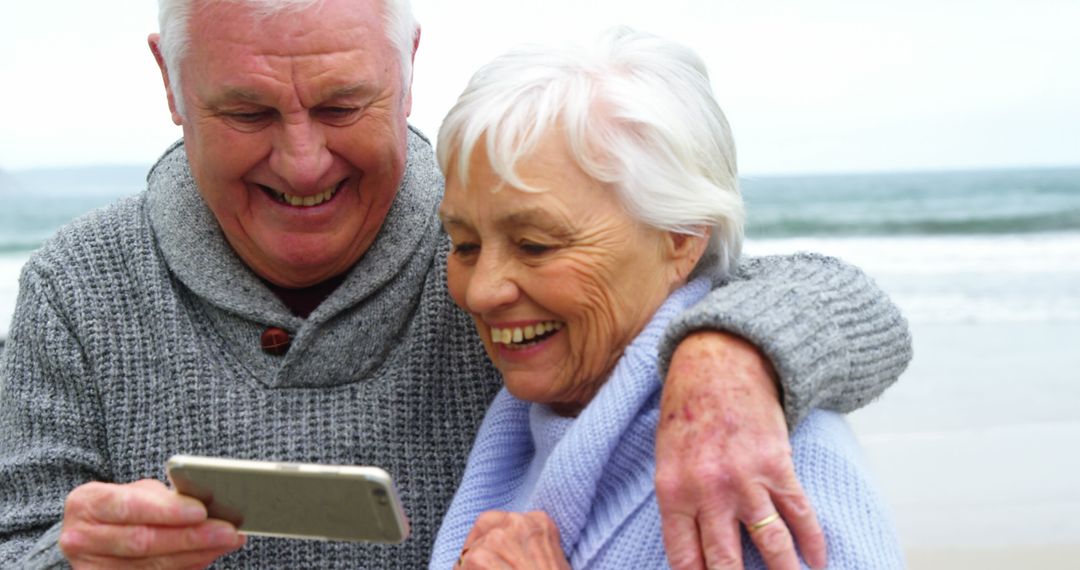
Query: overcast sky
(808, 86)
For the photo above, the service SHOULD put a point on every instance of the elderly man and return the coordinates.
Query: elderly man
(278, 292)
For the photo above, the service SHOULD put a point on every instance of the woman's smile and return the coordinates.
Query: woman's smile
(517, 337)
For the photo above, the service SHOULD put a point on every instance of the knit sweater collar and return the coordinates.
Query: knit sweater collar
(369, 313)
(199, 255)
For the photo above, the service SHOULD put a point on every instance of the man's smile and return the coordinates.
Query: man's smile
(303, 201)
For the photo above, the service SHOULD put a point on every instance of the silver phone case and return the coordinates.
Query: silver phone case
(294, 500)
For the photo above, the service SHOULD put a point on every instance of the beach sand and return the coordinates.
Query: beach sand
(976, 448)
(995, 558)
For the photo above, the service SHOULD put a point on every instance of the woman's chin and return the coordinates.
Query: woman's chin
(529, 386)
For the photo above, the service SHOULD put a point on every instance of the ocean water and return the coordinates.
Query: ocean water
(979, 203)
(37, 202)
(949, 247)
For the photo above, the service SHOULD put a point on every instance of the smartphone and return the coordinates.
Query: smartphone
(294, 500)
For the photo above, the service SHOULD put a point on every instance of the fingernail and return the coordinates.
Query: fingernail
(193, 512)
(71, 539)
(223, 536)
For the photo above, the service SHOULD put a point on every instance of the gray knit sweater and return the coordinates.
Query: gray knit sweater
(136, 336)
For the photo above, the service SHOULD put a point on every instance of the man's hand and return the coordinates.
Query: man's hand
(723, 458)
(512, 541)
(141, 525)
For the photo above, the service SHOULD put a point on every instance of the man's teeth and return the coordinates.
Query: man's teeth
(306, 201)
(523, 334)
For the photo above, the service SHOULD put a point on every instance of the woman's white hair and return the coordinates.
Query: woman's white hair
(638, 114)
(174, 15)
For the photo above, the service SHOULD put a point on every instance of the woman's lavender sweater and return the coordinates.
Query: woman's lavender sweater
(594, 474)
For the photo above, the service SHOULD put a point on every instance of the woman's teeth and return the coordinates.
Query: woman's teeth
(518, 335)
(304, 201)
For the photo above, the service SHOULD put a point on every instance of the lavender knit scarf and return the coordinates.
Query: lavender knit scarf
(597, 474)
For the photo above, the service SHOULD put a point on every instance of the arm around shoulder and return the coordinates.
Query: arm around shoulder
(834, 338)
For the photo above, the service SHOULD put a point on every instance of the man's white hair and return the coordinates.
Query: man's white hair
(174, 15)
(638, 114)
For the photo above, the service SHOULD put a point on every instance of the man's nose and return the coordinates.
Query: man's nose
(492, 285)
(300, 156)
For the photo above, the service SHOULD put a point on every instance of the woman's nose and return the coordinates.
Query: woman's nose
(491, 285)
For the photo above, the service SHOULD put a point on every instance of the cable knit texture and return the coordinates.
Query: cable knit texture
(136, 336)
(861, 343)
(597, 480)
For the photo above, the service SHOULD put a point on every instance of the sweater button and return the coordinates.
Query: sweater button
(275, 341)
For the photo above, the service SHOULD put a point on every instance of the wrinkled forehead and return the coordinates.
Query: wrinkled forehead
(344, 23)
(330, 43)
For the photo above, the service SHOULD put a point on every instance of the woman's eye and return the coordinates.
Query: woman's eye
(466, 248)
(531, 248)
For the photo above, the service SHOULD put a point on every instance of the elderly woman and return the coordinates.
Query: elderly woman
(588, 194)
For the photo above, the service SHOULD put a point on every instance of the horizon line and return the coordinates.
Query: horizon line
(751, 174)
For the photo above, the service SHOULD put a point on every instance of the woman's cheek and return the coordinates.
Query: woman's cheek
(597, 316)
(456, 281)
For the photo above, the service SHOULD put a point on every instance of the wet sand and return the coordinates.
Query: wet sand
(1007, 558)
(977, 449)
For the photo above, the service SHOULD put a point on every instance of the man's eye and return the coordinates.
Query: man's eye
(338, 114)
(251, 118)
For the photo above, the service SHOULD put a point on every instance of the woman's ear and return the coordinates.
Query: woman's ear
(684, 251)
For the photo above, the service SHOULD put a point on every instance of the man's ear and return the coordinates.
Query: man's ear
(154, 40)
(408, 92)
(684, 251)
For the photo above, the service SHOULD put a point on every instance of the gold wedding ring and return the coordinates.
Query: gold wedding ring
(763, 523)
(461, 558)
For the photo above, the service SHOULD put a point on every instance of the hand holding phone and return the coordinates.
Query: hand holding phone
(294, 500)
(140, 524)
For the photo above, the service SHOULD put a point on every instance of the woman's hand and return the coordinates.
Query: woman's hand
(513, 541)
(723, 458)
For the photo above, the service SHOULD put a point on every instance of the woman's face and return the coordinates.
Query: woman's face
(559, 281)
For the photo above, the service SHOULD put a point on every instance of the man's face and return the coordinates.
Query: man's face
(295, 127)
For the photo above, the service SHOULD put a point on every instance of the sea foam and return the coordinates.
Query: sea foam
(954, 279)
